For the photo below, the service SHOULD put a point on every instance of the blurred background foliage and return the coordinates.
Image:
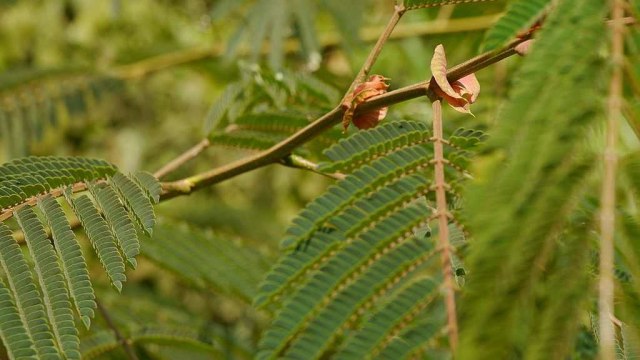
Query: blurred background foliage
(137, 83)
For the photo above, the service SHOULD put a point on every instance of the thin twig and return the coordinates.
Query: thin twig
(283, 148)
(126, 344)
(608, 201)
(398, 11)
(183, 158)
(298, 162)
(443, 224)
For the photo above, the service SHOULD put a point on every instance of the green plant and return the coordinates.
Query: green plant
(438, 236)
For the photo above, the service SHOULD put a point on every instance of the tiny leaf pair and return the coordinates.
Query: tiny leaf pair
(376, 85)
(461, 93)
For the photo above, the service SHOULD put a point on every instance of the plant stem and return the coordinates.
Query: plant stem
(398, 11)
(182, 158)
(443, 224)
(298, 162)
(126, 345)
(608, 202)
(278, 151)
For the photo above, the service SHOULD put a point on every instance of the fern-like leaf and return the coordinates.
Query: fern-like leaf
(12, 332)
(46, 317)
(31, 103)
(73, 263)
(388, 322)
(365, 180)
(220, 107)
(520, 15)
(139, 206)
(293, 269)
(28, 300)
(206, 259)
(414, 339)
(119, 221)
(56, 299)
(358, 149)
(358, 243)
(98, 343)
(310, 319)
(149, 184)
(532, 180)
(101, 237)
(26, 177)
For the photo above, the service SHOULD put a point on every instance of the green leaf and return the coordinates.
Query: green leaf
(538, 161)
(28, 299)
(119, 221)
(12, 331)
(219, 108)
(101, 237)
(137, 203)
(206, 259)
(56, 299)
(32, 102)
(73, 263)
(365, 146)
(390, 320)
(26, 177)
(313, 315)
(520, 15)
(98, 343)
(149, 184)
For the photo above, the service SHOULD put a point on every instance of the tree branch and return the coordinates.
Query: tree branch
(278, 151)
(182, 158)
(608, 195)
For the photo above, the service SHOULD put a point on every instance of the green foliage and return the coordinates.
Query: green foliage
(263, 108)
(389, 322)
(358, 273)
(272, 20)
(15, 337)
(27, 299)
(30, 103)
(276, 22)
(207, 260)
(628, 251)
(40, 317)
(105, 341)
(355, 245)
(54, 293)
(539, 163)
(520, 15)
